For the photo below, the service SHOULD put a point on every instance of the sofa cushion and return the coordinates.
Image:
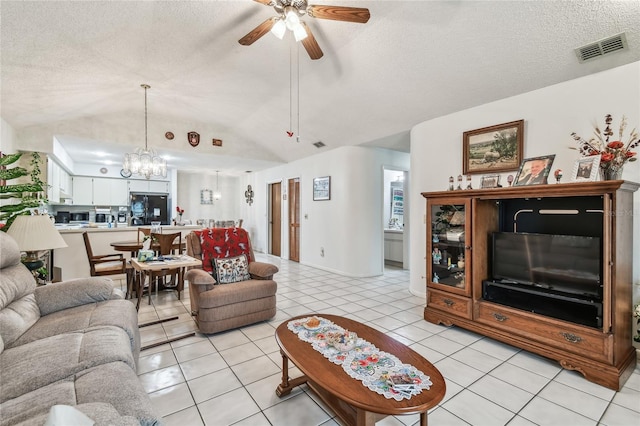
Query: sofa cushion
(68, 294)
(241, 292)
(109, 394)
(117, 313)
(229, 270)
(222, 242)
(17, 318)
(116, 384)
(54, 358)
(10, 251)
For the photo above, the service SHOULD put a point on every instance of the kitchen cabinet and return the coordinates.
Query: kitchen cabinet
(82, 191)
(561, 309)
(58, 182)
(88, 191)
(53, 181)
(155, 186)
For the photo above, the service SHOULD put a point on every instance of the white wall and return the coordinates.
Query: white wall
(551, 115)
(7, 138)
(188, 190)
(349, 226)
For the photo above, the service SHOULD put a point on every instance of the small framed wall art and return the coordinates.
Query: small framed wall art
(206, 196)
(586, 169)
(534, 171)
(493, 149)
(322, 188)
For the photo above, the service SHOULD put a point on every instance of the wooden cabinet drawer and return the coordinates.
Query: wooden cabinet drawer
(580, 340)
(450, 303)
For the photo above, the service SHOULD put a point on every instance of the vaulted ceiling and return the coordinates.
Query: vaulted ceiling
(73, 69)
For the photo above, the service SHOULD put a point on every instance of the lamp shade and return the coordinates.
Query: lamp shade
(35, 233)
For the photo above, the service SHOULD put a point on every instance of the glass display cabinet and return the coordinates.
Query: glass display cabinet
(449, 246)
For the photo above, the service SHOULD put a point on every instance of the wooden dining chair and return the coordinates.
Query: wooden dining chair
(143, 232)
(108, 264)
(165, 245)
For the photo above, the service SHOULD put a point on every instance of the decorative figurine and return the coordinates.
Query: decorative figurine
(436, 278)
(459, 182)
(558, 175)
(469, 182)
(510, 179)
(461, 261)
(450, 183)
(437, 255)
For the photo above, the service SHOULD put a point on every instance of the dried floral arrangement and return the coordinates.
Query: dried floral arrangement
(613, 153)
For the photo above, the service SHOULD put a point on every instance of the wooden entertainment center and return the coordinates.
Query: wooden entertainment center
(588, 331)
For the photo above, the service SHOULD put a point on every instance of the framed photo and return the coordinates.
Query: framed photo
(322, 188)
(534, 171)
(206, 196)
(492, 149)
(490, 181)
(586, 169)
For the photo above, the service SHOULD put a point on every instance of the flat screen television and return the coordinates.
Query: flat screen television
(566, 264)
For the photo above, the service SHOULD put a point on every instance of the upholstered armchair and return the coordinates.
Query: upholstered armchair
(217, 306)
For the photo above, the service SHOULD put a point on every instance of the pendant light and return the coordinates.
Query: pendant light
(217, 194)
(145, 162)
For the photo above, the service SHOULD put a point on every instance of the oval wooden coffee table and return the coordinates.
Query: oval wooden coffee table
(354, 403)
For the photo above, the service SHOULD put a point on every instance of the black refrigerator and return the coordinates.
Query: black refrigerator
(147, 208)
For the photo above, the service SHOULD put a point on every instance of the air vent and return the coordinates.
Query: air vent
(602, 47)
(319, 144)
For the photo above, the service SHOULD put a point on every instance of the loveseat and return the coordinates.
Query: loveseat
(219, 307)
(74, 344)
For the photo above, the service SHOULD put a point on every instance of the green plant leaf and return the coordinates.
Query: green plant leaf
(10, 159)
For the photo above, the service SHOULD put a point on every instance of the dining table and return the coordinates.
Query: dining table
(133, 246)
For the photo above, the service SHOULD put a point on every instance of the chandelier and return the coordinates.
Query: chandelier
(145, 162)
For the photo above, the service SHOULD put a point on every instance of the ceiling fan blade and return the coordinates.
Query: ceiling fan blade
(257, 32)
(310, 44)
(339, 13)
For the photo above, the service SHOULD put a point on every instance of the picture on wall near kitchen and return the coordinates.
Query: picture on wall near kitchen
(322, 188)
(206, 196)
(493, 149)
(194, 138)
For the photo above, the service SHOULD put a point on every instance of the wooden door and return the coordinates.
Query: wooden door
(275, 217)
(294, 219)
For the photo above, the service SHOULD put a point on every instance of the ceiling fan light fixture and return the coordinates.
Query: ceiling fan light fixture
(291, 18)
(279, 28)
(299, 33)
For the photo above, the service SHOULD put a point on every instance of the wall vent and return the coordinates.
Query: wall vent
(602, 47)
(319, 144)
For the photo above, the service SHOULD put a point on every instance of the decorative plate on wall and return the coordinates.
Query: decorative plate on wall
(193, 138)
(168, 135)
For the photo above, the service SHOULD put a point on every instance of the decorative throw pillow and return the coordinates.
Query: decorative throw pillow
(231, 269)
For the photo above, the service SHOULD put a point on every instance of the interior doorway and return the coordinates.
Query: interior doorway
(395, 218)
(294, 219)
(275, 218)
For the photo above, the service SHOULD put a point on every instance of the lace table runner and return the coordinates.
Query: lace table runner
(373, 367)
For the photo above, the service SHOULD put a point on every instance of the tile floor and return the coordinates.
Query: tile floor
(230, 378)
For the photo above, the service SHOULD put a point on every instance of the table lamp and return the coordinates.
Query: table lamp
(33, 234)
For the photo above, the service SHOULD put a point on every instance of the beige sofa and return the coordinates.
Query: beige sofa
(74, 343)
(222, 307)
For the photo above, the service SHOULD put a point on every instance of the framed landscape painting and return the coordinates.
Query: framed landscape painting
(493, 149)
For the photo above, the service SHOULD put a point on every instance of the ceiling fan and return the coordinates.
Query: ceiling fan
(289, 13)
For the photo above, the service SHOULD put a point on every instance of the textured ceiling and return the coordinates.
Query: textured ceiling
(74, 69)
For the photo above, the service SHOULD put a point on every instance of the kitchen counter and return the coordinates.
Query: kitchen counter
(70, 229)
(72, 260)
